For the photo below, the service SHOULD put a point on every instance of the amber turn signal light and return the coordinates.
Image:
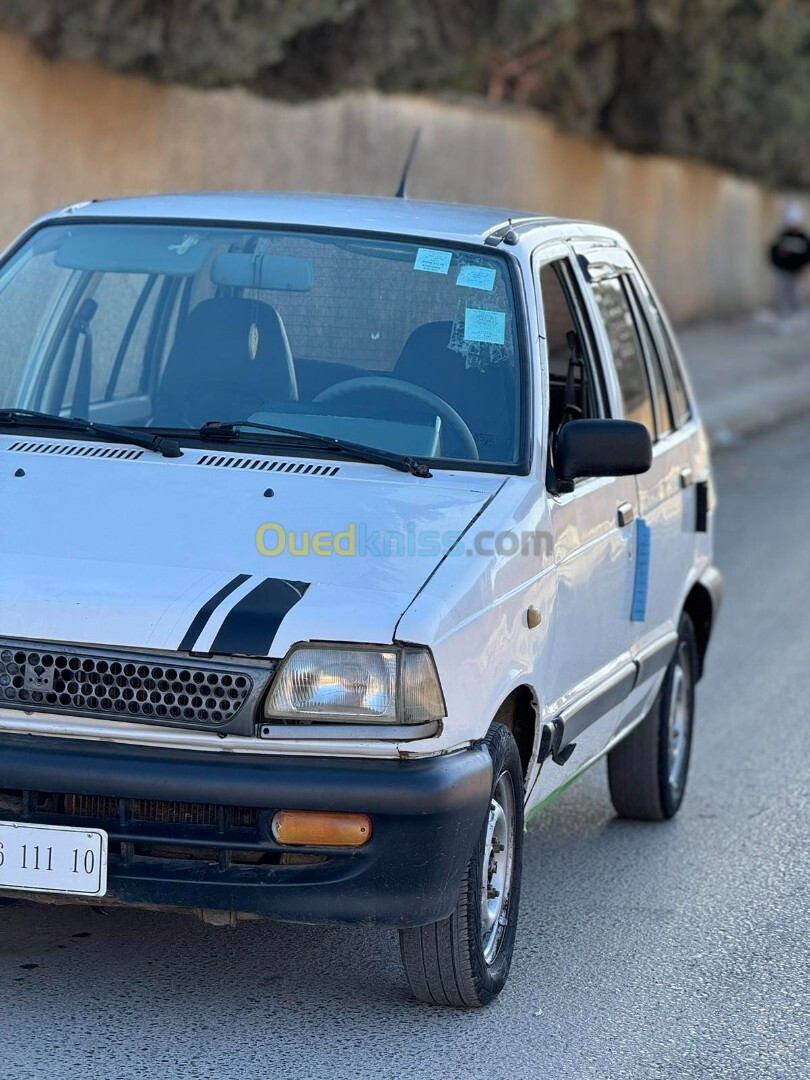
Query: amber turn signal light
(314, 828)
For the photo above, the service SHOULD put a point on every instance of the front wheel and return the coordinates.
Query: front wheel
(464, 960)
(647, 770)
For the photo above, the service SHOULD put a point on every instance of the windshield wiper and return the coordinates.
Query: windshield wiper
(158, 443)
(230, 429)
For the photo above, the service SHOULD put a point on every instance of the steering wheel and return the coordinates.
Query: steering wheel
(352, 387)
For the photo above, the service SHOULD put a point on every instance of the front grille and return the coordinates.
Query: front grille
(147, 811)
(110, 684)
(109, 809)
(153, 828)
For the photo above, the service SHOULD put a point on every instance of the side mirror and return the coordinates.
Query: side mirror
(602, 448)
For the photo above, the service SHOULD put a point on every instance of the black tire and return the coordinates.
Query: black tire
(445, 962)
(645, 783)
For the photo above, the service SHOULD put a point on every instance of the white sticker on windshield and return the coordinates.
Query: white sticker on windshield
(489, 326)
(477, 277)
(433, 260)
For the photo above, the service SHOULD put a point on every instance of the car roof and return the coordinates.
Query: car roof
(451, 221)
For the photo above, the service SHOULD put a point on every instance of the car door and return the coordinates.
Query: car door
(588, 671)
(665, 528)
(667, 502)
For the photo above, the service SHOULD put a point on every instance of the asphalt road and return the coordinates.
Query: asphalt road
(645, 951)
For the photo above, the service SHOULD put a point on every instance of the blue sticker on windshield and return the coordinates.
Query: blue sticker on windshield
(477, 277)
(488, 326)
(433, 260)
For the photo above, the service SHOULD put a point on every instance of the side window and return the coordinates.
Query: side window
(120, 331)
(682, 407)
(127, 378)
(663, 409)
(27, 301)
(175, 306)
(677, 383)
(575, 387)
(117, 296)
(628, 355)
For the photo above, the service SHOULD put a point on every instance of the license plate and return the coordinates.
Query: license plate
(53, 858)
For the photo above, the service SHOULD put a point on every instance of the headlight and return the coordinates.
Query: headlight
(355, 685)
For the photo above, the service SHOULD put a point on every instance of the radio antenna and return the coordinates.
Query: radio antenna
(401, 193)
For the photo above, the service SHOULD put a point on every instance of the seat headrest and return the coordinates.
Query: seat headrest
(229, 341)
(424, 344)
(429, 344)
(482, 394)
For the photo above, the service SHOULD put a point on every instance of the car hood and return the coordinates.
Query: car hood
(148, 553)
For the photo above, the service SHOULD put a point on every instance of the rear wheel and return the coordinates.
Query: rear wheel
(647, 771)
(464, 960)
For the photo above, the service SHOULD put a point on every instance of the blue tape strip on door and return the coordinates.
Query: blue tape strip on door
(642, 582)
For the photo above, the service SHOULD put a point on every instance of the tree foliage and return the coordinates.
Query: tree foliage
(727, 81)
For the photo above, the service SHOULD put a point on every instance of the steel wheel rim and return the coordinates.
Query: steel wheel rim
(678, 726)
(496, 879)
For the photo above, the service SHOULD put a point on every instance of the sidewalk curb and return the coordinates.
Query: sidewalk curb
(747, 377)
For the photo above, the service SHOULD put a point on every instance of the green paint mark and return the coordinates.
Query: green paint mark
(555, 794)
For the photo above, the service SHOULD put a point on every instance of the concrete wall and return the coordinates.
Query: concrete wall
(73, 131)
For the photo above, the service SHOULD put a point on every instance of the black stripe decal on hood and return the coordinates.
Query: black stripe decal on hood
(207, 610)
(252, 623)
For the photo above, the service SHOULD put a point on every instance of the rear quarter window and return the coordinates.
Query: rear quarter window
(627, 352)
(680, 403)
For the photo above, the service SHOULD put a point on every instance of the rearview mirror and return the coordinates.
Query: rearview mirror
(602, 448)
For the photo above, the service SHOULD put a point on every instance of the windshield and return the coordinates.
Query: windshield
(402, 346)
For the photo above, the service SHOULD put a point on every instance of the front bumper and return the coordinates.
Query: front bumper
(192, 829)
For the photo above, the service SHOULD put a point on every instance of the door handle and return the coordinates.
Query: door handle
(625, 513)
(687, 477)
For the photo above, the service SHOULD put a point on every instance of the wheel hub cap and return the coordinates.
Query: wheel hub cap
(678, 735)
(497, 870)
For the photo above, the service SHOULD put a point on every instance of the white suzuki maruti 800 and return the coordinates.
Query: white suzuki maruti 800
(336, 535)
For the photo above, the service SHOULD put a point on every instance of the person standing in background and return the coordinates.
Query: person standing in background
(790, 254)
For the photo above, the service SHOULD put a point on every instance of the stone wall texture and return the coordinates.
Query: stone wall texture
(72, 131)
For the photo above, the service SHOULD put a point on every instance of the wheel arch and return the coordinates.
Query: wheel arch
(701, 607)
(520, 712)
